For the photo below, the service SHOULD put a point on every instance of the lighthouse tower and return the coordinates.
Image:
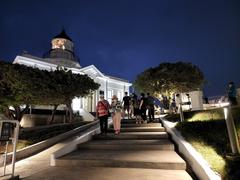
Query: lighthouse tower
(62, 51)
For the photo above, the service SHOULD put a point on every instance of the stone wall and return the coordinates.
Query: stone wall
(33, 120)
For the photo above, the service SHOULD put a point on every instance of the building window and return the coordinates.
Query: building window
(59, 44)
(119, 95)
(101, 92)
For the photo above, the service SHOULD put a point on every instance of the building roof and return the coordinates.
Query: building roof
(119, 79)
(56, 61)
(63, 35)
(102, 75)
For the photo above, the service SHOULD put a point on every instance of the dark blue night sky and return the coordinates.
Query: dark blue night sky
(124, 37)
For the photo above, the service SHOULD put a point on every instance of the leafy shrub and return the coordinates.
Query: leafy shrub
(210, 138)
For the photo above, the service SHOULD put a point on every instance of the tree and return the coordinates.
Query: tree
(21, 85)
(17, 89)
(66, 85)
(170, 78)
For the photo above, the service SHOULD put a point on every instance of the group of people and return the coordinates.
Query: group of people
(131, 106)
(139, 106)
(136, 107)
(104, 109)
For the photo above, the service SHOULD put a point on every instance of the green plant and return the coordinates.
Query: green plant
(208, 135)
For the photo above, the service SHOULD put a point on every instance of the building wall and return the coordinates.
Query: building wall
(108, 86)
(117, 89)
(111, 87)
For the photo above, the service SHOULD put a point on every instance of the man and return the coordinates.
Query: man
(232, 94)
(178, 101)
(150, 107)
(143, 107)
(126, 103)
(102, 113)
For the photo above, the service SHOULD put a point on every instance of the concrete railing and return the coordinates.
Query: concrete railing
(198, 164)
(35, 148)
(73, 145)
(45, 127)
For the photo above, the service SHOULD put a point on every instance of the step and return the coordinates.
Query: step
(107, 173)
(134, 120)
(163, 144)
(150, 159)
(140, 129)
(142, 125)
(128, 121)
(133, 135)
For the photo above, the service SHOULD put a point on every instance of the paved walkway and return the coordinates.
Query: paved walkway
(140, 152)
(37, 163)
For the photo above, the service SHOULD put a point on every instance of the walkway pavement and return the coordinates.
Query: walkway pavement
(28, 167)
(140, 152)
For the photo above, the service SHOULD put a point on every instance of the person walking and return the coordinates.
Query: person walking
(137, 112)
(173, 107)
(126, 104)
(133, 105)
(116, 110)
(143, 107)
(102, 110)
(232, 94)
(150, 107)
(178, 101)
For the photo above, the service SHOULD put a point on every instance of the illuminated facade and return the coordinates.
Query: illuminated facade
(62, 54)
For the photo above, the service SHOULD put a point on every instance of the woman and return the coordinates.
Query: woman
(102, 114)
(143, 107)
(116, 110)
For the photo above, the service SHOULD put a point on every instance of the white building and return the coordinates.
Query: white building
(62, 54)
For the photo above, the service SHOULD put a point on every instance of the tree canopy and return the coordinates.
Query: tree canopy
(21, 85)
(170, 78)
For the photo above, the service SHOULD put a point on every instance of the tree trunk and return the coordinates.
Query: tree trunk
(68, 104)
(18, 113)
(8, 113)
(53, 114)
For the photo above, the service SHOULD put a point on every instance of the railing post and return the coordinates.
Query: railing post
(5, 136)
(15, 139)
(231, 130)
(181, 112)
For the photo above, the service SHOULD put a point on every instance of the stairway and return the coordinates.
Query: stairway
(140, 151)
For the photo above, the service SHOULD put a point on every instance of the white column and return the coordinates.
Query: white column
(94, 102)
(106, 89)
(196, 100)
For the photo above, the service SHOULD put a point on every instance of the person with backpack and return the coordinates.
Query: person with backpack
(143, 107)
(150, 107)
(102, 111)
(138, 113)
(126, 104)
(116, 109)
